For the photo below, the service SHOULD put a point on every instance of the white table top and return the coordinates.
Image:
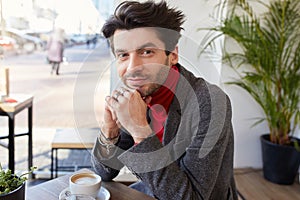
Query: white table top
(21, 101)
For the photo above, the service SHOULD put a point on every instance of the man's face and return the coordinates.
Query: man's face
(142, 63)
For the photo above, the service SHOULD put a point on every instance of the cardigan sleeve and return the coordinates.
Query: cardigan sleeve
(108, 167)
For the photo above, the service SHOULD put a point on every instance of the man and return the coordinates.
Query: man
(171, 129)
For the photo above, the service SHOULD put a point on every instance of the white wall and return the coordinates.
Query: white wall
(247, 144)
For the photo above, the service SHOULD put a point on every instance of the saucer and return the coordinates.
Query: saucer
(103, 194)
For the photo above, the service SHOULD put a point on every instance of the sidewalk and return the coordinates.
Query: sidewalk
(60, 102)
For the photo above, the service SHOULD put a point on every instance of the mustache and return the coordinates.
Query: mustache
(135, 75)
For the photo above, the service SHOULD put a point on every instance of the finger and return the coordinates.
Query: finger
(115, 94)
(123, 89)
(108, 117)
(109, 114)
(127, 93)
(110, 102)
(136, 93)
(124, 96)
(118, 94)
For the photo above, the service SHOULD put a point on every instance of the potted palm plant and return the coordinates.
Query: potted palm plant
(268, 68)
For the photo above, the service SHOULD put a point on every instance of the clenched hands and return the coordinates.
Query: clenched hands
(127, 109)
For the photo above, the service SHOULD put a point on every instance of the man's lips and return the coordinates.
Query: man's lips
(136, 81)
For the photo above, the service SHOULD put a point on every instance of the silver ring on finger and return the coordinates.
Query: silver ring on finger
(123, 91)
(116, 96)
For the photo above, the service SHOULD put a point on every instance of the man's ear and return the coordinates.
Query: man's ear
(173, 57)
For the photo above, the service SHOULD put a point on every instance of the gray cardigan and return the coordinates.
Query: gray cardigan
(195, 159)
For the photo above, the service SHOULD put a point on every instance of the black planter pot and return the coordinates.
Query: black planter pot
(280, 163)
(17, 194)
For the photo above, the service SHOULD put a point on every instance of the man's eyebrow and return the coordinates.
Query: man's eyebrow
(120, 51)
(146, 45)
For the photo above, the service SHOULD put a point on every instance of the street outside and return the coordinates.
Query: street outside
(74, 99)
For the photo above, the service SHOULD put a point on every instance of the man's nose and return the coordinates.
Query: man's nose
(134, 63)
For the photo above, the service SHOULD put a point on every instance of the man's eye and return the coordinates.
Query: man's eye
(122, 55)
(146, 52)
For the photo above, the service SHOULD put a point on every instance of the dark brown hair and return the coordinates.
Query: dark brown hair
(132, 14)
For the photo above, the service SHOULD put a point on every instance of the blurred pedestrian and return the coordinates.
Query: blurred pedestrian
(87, 43)
(95, 40)
(55, 47)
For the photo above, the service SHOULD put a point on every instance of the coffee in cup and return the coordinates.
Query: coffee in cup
(85, 183)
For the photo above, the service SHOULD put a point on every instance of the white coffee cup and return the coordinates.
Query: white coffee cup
(85, 183)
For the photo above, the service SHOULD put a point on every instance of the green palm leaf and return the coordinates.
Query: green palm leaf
(268, 62)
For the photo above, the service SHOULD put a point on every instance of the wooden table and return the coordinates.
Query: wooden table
(50, 190)
(10, 110)
(80, 139)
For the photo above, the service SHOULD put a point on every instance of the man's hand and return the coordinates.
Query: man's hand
(110, 125)
(130, 111)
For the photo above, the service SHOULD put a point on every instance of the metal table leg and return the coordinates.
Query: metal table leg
(11, 143)
(30, 157)
(52, 164)
(56, 163)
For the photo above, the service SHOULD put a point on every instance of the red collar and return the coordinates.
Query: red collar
(161, 101)
(164, 95)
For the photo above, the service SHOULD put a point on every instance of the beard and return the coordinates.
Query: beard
(152, 81)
